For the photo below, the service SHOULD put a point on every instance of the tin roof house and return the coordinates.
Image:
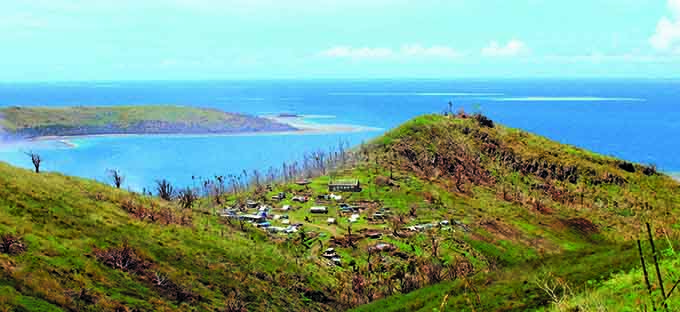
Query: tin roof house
(352, 185)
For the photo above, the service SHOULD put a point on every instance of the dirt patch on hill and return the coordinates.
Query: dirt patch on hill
(581, 225)
(547, 167)
(346, 240)
(436, 154)
(500, 230)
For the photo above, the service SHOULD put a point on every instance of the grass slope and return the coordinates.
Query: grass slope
(63, 219)
(84, 120)
(546, 214)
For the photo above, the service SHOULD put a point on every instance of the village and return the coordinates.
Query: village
(332, 214)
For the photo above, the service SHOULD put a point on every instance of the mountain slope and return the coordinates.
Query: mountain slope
(573, 214)
(194, 263)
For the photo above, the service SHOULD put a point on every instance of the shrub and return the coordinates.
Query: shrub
(11, 244)
(125, 259)
(627, 166)
(155, 214)
(187, 198)
(483, 121)
(122, 258)
(649, 170)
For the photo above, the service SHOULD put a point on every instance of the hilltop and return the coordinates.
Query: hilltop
(31, 122)
(551, 222)
(450, 212)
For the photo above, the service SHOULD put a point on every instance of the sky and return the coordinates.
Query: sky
(63, 40)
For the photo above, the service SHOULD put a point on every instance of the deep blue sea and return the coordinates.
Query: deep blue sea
(637, 120)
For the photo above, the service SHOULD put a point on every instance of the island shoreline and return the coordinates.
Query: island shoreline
(301, 126)
(292, 124)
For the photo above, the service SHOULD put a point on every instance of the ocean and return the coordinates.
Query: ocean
(636, 120)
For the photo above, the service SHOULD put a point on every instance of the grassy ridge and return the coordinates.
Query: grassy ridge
(569, 217)
(84, 120)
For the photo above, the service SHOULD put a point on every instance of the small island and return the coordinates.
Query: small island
(40, 122)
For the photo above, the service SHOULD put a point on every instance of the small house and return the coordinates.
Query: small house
(227, 212)
(291, 229)
(345, 208)
(382, 247)
(252, 218)
(374, 235)
(279, 196)
(319, 209)
(301, 199)
(344, 186)
(275, 229)
(329, 253)
(303, 182)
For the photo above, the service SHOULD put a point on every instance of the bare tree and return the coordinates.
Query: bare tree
(434, 242)
(349, 236)
(187, 198)
(165, 189)
(116, 177)
(396, 222)
(36, 160)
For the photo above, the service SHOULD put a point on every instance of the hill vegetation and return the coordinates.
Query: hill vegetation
(30, 122)
(455, 213)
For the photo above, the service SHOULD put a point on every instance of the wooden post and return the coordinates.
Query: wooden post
(644, 271)
(656, 264)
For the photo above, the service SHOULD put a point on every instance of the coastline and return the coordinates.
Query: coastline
(675, 175)
(302, 126)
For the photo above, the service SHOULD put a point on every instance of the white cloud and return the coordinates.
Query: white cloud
(514, 47)
(674, 5)
(667, 35)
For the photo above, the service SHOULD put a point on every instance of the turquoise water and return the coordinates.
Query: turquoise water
(638, 120)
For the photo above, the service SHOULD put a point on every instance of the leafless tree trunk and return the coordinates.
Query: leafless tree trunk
(165, 190)
(36, 160)
(116, 177)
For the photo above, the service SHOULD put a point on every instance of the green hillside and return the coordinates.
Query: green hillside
(87, 120)
(64, 221)
(455, 213)
(555, 221)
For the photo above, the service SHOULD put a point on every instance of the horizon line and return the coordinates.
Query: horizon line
(480, 78)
